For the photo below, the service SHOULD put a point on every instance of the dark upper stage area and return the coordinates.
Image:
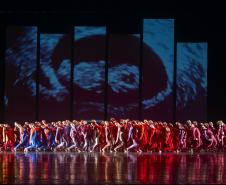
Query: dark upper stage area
(193, 22)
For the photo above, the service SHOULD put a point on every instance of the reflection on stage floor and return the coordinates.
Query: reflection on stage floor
(112, 168)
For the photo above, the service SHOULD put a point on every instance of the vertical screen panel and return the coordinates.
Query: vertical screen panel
(54, 76)
(123, 75)
(158, 69)
(20, 74)
(89, 72)
(191, 81)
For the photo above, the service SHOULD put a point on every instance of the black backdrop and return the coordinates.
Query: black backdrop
(194, 22)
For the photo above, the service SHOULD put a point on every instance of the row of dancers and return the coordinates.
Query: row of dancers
(122, 135)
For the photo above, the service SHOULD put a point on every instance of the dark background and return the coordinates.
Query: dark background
(193, 22)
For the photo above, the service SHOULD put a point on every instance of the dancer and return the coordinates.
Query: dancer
(24, 136)
(220, 134)
(208, 139)
(59, 137)
(133, 133)
(193, 137)
(120, 139)
(38, 140)
(74, 134)
(98, 133)
(9, 139)
(182, 137)
(107, 134)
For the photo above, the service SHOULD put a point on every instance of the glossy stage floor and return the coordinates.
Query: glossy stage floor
(112, 168)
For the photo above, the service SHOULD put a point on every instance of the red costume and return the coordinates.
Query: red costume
(10, 140)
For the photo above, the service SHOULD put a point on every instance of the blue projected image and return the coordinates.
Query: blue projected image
(22, 55)
(55, 70)
(20, 85)
(123, 76)
(86, 31)
(89, 72)
(52, 87)
(159, 35)
(90, 76)
(191, 81)
(158, 67)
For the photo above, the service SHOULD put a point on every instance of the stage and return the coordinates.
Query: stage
(112, 168)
